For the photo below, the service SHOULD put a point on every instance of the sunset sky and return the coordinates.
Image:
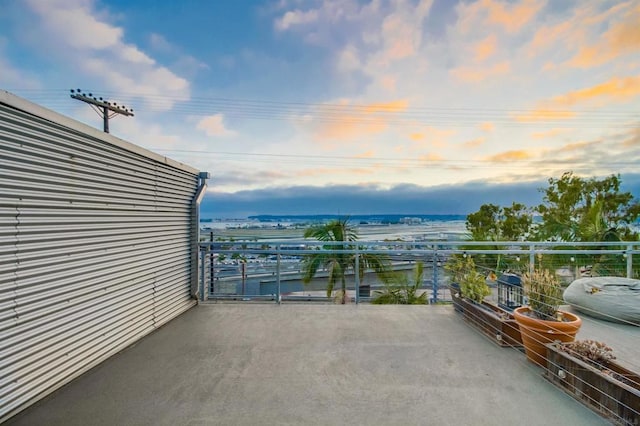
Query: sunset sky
(297, 96)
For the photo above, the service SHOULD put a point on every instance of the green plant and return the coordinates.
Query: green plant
(544, 292)
(338, 259)
(473, 285)
(398, 290)
(457, 266)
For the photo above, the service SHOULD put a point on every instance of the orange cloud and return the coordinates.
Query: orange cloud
(351, 121)
(621, 38)
(477, 74)
(544, 115)
(487, 126)
(547, 36)
(485, 48)
(368, 154)
(512, 17)
(615, 90)
(350, 127)
(393, 106)
(549, 134)
(510, 156)
(575, 146)
(474, 142)
(432, 137)
(431, 157)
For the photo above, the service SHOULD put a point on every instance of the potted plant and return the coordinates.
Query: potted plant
(491, 320)
(586, 370)
(542, 321)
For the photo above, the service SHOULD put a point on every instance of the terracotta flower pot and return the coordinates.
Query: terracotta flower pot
(536, 333)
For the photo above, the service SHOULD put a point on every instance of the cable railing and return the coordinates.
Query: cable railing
(273, 270)
(277, 272)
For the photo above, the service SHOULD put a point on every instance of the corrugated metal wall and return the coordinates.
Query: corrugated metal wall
(96, 248)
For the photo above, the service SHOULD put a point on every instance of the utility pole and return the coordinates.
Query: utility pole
(104, 108)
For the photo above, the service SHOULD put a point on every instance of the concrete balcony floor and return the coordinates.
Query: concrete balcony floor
(312, 364)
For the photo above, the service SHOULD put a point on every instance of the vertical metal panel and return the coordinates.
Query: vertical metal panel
(96, 248)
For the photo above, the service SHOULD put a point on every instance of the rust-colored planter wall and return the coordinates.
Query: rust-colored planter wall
(495, 323)
(615, 400)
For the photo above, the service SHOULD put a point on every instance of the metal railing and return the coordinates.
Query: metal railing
(272, 271)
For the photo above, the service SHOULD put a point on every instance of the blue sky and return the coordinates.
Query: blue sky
(287, 98)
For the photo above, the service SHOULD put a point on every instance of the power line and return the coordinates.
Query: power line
(375, 114)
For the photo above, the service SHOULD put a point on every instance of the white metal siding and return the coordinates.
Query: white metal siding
(96, 246)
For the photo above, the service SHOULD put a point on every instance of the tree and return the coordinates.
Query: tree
(331, 259)
(577, 209)
(495, 223)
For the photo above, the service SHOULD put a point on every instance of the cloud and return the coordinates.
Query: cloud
(475, 74)
(79, 34)
(487, 126)
(369, 199)
(295, 17)
(342, 121)
(431, 157)
(621, 38)
(515, 155)
(394, 106)
(615, 90)
(431, 137)
(213, 125)
(485, 48)
(549, 133)
(543, 115)
(512, 17)
(369, 38)
(159, 43)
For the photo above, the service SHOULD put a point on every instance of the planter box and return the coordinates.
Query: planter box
(494, 322)
(614, 394)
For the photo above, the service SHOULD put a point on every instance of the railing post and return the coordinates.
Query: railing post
(211, 265)
(278, 296)
(357, 274)
(629, 261)
(435, 276)
(203, 257)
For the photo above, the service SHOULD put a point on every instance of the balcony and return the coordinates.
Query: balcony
(275, 360)
(317, 364)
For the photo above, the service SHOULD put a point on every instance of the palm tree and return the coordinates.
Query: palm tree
(400, 290)
(336, 263)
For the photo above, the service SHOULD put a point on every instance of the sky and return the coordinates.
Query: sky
(347, 106)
